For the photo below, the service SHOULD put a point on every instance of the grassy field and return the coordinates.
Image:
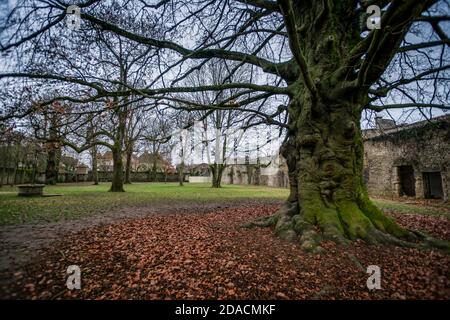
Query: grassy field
(441, 210)
(82, 200)
(85, 199)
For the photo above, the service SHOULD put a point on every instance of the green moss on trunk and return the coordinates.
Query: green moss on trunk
(328, 200)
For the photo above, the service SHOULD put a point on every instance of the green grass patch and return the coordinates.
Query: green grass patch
(83, 200)
(385, 204)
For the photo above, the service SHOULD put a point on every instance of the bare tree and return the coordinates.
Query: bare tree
(219, 128)
(315, 58)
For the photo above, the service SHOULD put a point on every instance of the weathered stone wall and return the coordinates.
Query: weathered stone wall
(272, 175)
(424, 148)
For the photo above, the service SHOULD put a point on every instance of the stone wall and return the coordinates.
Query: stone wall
(272, 175)
(200, 179)
(409, 160)
(394, 156)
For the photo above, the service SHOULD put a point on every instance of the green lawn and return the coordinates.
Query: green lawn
(400, 207)
(85, 199)
(81, 200)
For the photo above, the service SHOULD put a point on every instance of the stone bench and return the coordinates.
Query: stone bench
(26, 190)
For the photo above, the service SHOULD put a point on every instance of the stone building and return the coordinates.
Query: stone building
(408, 160)
(82, 172)
(105, 161)
(405, 160)
(268, 171)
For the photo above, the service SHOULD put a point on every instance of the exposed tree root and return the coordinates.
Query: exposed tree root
(346, 222)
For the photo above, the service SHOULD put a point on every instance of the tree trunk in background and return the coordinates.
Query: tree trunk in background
(22, 174)
(257, 175)
(217, 171)
(232, 175)
(154, 173)
(128, 165)
(181, 174)
(33, 173)
(250, 170)
(51, 171)
(2, 174)
(7, 176)
(117, 178)
(15, 173)
(94, 165)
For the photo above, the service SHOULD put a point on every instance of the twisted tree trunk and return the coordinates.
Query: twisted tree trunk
(324, 146)
(328, 200)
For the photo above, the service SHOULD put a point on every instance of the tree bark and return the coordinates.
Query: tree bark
(15, 173)
(117, 179)
(154, 170)
(250, 170)
(128, 165)
(232, 175)
(217, 172)
(324, 145)
(94, 165)
(2, 174)
(51, 171)
(117, 151)
(181, 174)
(328, 200)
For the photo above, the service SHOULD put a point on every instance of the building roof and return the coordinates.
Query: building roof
(387, 131)
(108, 155)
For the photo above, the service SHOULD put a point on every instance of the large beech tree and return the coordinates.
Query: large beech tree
(327, 66)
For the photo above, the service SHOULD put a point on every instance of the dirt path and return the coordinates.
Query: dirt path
(19, 244)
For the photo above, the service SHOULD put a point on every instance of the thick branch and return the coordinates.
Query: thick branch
(291, 26)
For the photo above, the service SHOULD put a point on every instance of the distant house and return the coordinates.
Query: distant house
(82, 171)
(68, 163)
(142, 163)
(105, 161)
(67, 169)
(147, 160)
